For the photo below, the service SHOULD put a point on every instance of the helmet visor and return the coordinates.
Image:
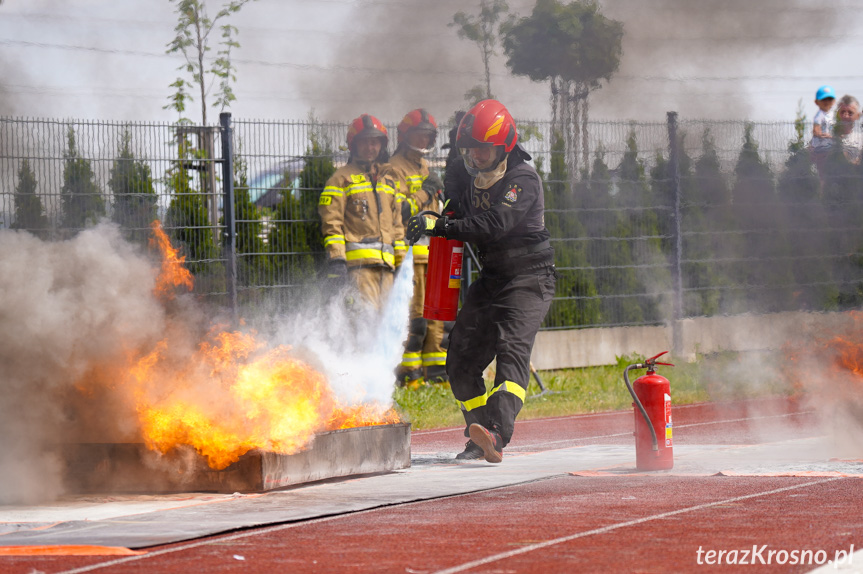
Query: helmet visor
(421, 140)
(481, 159)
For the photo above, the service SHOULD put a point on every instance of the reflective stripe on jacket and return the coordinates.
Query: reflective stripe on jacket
(361, 220)
(410, 175)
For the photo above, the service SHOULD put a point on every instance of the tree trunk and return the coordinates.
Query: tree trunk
(554, 100)
(585, 149)
(199, 46)
(576, 129)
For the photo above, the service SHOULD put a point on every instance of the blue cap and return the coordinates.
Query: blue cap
(825, 92)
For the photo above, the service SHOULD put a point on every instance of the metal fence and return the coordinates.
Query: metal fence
(671, 219)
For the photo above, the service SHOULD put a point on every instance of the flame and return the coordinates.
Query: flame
(831, 370)
(230, 393)
(172, 273)
(361, 415)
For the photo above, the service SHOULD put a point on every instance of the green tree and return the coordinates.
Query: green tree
(843, 188)
(639, 220)
(188, 220)
(254, 267)
(192, 40)
(609, 247)
(576, 298)
(574, 47)
(799, 188)
(762, 267)
(135, 199)
(483, 29)
(700, 278)
(29, 211)
(81, 198)
(295, 237)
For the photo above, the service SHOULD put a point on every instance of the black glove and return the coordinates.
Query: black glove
(433, 186)
(417, 226)
(420, 225)
(337, 269)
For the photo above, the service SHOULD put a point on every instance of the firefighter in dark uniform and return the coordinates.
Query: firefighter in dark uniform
(501, 213)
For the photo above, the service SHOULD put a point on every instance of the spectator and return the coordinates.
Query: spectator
(848, 129)
(822, 126)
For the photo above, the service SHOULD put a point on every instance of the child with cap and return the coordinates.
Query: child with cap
(822, 125)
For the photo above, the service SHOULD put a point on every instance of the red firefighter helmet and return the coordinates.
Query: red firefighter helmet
(418, 120)
(487, 124)
(367, 126)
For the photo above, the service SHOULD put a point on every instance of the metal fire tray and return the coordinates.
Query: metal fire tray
(132, 468)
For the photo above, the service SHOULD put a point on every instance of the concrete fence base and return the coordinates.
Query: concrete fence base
(601, 346)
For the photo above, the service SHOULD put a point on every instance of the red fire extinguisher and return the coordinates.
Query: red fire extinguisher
(651, 395)
(443, 277)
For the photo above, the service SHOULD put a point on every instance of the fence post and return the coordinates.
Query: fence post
(230, 240)
(677, 275)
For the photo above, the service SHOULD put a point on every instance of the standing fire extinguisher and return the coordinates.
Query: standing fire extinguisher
(651, 395)
(443, 277)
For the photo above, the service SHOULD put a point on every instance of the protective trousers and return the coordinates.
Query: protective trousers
(373, 283)
(499, 318)
(424, 350)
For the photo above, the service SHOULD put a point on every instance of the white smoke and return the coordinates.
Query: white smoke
(75, 312)
(357, 349)
(66, 307)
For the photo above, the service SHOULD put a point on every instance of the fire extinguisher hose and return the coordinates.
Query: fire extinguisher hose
(638, 402)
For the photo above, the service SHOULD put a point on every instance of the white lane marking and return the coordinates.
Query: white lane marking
(216, 539)
(563, 418)
(616, 413)
(629, 433)
(611, 527)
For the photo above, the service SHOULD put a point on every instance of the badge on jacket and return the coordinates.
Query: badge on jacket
(512, 195)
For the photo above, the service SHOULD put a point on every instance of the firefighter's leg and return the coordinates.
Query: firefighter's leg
(410, 370)
(433, 353)
(373, 283)
(471, 349)
(519, 309)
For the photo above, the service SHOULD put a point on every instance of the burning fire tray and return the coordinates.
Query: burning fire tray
(132, 468)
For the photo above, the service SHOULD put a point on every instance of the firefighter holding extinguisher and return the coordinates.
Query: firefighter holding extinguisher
(501, 213)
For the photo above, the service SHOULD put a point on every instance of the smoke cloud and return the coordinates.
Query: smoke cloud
(711, 47)
(81, 323)
(697, 58)
(66, 307)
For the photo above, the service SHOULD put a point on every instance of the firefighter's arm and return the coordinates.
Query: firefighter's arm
(519, 196)
(331, 208)
(457, 186)
(400, 248)
(432, 193)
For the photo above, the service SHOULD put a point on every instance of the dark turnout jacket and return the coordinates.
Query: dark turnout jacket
(506, 222)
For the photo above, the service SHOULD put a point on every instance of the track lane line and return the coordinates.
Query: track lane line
(214, 539)
(625, 413)
(611, 527)
(629, 433)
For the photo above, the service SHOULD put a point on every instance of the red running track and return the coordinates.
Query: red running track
(623, 523)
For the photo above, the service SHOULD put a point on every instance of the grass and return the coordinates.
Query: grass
(720, 376)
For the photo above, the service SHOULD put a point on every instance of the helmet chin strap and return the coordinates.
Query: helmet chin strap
(486, 179)
(415, 154)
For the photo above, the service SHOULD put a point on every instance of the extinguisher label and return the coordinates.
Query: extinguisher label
(455, 268)
(668, 424)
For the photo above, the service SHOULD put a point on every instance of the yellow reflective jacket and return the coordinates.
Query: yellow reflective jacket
(411, 170)
(361, 216)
